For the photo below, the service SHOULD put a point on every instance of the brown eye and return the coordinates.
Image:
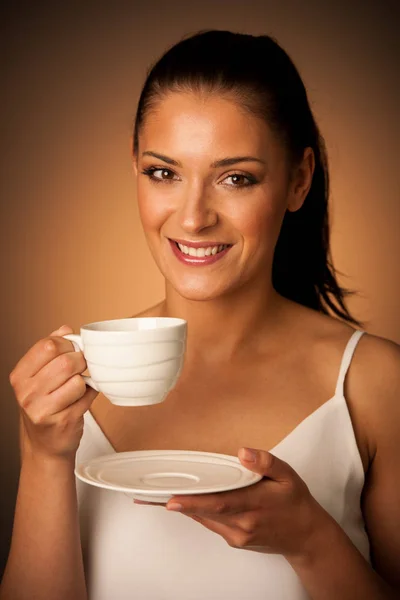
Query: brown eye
(239, 180)
(166, 174)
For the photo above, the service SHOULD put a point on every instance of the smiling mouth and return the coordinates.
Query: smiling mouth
(201, 252)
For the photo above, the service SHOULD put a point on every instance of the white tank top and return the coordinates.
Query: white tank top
(134, 552)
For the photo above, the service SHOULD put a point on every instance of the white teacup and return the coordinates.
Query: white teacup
(133, 362)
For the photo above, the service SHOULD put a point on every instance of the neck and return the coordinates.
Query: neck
(221, 328)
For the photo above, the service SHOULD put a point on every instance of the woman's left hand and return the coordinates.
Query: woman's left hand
(277, 515)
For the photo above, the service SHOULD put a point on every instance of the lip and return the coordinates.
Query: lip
(198, 244)
(197, 260)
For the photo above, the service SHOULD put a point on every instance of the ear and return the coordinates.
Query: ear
(134, 156)
(301, 181)
(134, 165)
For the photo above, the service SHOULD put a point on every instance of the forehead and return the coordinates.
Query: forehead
(194, 124)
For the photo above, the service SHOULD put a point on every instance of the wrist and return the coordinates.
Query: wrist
(324, 532)
(47, 462)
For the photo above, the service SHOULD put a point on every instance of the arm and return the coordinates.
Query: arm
(278, 515)
(45, 559)
(45, 555)
(334, 568)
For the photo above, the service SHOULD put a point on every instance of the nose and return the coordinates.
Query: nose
(197, 211)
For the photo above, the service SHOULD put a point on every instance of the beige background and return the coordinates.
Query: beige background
(72, 250)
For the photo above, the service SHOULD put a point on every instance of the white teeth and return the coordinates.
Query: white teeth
(201, 252)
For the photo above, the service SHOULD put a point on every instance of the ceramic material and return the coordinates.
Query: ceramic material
(157, 475)
(134, 361)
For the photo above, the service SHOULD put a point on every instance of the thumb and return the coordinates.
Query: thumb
(266, 464)
(63, 330)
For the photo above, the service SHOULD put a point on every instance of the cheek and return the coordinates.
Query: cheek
(260, 222)
(153, 210)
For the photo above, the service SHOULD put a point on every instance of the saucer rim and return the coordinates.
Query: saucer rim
(252, 477)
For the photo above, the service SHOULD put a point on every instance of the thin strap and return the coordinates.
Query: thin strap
(346, 360)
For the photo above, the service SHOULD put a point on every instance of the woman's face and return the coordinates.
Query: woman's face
(213, 187)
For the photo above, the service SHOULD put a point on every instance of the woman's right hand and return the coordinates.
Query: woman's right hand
(52, 396)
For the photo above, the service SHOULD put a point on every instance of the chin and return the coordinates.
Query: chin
(198, 293)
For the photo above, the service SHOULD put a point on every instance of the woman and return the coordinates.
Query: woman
(229, 165)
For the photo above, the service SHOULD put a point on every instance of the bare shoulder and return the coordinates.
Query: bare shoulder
(380, 353)
(371, 389)
(374, 388)
(372, 384)
(376, 383)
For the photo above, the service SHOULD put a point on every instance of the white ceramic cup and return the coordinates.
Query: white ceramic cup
(133, 362)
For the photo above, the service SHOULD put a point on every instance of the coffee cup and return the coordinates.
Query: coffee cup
(134, 361)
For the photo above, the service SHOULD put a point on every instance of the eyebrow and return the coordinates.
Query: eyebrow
(223, 162)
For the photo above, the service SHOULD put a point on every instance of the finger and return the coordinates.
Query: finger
(63, 330)
(266, 464)
(218, 505)
(77, 409)
(40, 408)
(221, 529)
(55, 373)
(38, 356)
(63, 397)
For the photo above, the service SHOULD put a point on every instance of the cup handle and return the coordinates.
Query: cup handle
(78, 347)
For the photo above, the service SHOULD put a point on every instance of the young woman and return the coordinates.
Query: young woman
(229, 165)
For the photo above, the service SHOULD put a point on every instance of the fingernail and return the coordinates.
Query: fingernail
(249, 454)
(174, 506)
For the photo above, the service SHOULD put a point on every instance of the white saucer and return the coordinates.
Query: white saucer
(156, 475)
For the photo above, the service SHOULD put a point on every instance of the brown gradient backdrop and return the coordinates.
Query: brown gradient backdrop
(72, 246)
